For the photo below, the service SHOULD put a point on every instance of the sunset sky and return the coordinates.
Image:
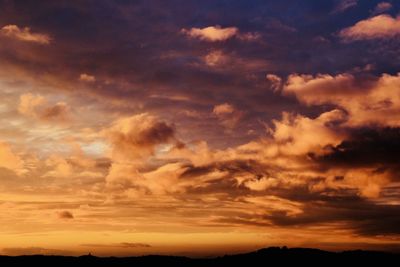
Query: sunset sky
(199, 127)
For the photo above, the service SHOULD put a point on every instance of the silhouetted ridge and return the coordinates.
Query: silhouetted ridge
(264, 257)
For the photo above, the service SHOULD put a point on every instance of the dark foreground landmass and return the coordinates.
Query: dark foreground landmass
(265, 257)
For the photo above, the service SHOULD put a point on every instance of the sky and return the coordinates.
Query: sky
(198, 127)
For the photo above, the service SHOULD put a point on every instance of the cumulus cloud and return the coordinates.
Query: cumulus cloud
(377, 103)
(218, 34)
(24, 34)
(228, 115)
(138, 135)
(296, 134)
(311, 89)
(37, 106)
(87, 78)
(378, 27)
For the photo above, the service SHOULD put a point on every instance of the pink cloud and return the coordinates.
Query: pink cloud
(24, 34)
(378, 27)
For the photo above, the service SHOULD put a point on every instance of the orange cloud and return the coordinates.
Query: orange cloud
(60, 167)
(24, 34)
(138, 135)
(212, 33)
(218, 34)
(261, 184)
(378, 27)
(316, 89)
(87, 78)
(376, 103)
(275, 81)
(8, 159)
(300, 135)
(36, 106)
(228, 115)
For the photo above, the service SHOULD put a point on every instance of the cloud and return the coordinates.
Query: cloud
(299, 135)
(313, 90)
(366, 102)
(382, 7)
(228, 115)
(364, 216)
(212, 33)
(134, 245)
(65, 215)
(138, 135)
(216, 58)
(59, 167)
(223, 109)
(275, 81)
(223, 62)
(249, 36)
(129, 180)
(262, 183)
(58, 111)
(218, 34)
(29, 102)
(134, 141)
(24, 34)
(125, 245)
(378, 27)
(37, 106)
(366, 147)
(8, 159)
(344, 5)
(87, 78)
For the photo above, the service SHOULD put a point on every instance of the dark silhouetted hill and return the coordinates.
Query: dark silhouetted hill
(272, 256)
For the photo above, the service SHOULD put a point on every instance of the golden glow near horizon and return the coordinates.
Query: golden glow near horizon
(161, 135)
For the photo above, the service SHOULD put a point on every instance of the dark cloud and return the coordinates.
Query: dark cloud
(158, 60)
(361, 216)
(126, 245)
(65, 215)
(139, 134)
(366, 147)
